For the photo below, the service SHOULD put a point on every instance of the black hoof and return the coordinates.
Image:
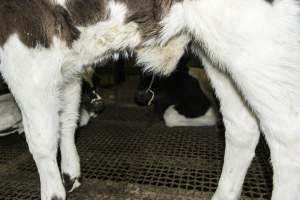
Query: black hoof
(68, 182)
(56, 198)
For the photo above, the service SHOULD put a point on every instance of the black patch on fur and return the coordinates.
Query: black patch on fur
(56, 198)
(148, 14)
(68, 182)
(270, 1)
(32, 20)
(35, 22)
(64, 26)
(87, 12)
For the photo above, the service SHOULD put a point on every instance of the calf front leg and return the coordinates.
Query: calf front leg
(70, 164)
(242, 135)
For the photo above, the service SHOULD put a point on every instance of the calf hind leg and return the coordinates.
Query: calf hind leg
(33, 76)
(242, 135)
(273, 92)
(41, 129)
(284, 142)
(39, 104)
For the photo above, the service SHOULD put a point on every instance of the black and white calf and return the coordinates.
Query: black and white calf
(185, 98)
(251, 50)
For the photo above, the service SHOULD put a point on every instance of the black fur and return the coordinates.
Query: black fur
(68, 182)
(270, 1)
(87, 12)
(35, 22)
(56, 198)
(179, 88)
(185, 90)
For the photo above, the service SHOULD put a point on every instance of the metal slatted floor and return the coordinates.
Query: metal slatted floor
(127, 153)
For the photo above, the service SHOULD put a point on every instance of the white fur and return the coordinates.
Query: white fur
(172, 118)
(84, 118)
(251, 52)
(163, 59)
(34, 78)
(242, 134)
(173, 24)
(46, 85)
(100, 41)
(70, 100)
(256, 45)
(59, 2)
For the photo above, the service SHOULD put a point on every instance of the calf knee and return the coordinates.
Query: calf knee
(241, 130)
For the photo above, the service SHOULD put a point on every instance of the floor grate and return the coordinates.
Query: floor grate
(143, 153)
(126, 153)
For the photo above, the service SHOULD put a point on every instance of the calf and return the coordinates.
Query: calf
(250, 49)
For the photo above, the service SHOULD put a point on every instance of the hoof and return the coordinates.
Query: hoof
(56, 198)
(71, 184)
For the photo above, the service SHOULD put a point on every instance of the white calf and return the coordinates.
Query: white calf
(251, 50)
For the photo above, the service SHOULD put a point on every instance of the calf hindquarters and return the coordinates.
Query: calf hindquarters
(256, 44)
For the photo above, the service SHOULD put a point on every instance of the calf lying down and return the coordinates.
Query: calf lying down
(251, 51)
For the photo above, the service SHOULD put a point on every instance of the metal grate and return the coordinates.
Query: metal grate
(141, 154)
(127, 153)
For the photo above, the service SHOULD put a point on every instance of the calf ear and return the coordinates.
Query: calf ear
(65, 26)
(163, 59)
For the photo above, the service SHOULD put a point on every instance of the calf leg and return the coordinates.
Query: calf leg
(70, 164)
(275, 98)
(284, 142)
(41, 123)
(39, 104)
(242, 134)
(33, 75)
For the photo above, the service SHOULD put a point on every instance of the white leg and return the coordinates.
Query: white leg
(286, 164)
(41, 130)
(33, 76)
(275, 98)
(242, 134)
(70, 164)
(40, 106)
